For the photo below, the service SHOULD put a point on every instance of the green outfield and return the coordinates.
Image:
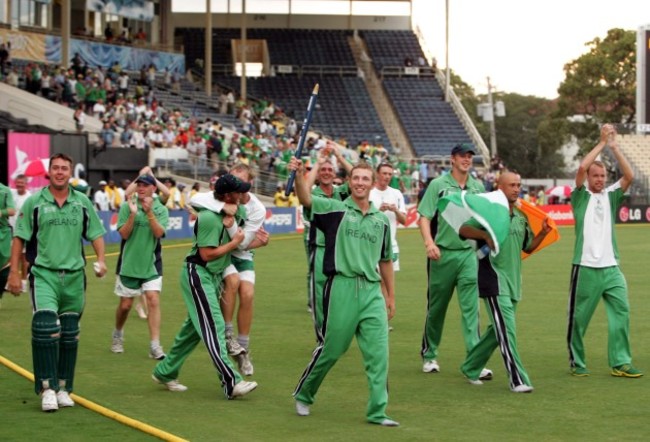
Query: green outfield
(439, 406)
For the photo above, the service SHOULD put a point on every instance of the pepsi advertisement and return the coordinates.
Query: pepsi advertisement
(181, 223)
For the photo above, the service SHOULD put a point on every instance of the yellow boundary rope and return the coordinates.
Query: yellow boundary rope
(140, 426)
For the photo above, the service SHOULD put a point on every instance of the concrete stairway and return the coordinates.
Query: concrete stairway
(387, 115)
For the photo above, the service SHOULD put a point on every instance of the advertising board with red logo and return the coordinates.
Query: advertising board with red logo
(633, 214)
(560, 213)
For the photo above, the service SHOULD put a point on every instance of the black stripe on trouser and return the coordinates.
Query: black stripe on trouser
(32, 290)
(504, 345)
(312, 292)
(425, 344)
(319, 348)
(573, 288)
(209, 329)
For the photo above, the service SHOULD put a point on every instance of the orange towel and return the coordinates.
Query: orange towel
(536, 217)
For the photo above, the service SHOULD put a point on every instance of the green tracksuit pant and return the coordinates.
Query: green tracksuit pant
(58, 301)
(455, 269)
(588, 286)
(200, 290)
(351, 307)
(501, 333)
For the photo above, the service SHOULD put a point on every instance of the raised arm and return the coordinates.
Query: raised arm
(341, 159)
(623, 164)
(303, 190)
(606, 132)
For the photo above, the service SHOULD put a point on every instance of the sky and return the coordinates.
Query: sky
(522, 45)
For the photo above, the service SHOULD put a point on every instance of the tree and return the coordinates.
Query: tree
(600, 85)
(525, 140)
(521, 145)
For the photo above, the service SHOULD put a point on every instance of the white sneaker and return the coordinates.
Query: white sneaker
(431, 366)
(118, 345)
(64, 399)
(474, 381)
(234, 348)
(302, 409)
(389, 423)
(245, 364)
(48, 400)
(243, 388)
(486, 375)
(157, 353)
(171, 385)
(523, 388)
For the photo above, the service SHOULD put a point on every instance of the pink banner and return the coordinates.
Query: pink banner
(24, 150)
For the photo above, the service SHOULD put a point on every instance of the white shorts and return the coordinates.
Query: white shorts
(246, 275)
(155, 285)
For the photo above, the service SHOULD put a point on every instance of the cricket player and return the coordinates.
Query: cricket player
(215, 237)
(499, 282)
(452, 262)
(239, 276)
(323, 170)
(390, 201)
(596, 273)
(7, 210)
(53, 222)
(357, 256)
(142, 222)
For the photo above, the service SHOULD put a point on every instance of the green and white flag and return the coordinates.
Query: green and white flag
(491, 210)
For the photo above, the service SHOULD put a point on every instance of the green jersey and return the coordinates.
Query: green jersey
(339, 193)
(501, 274)
(6, 202)
(444, 235)
(141, 254)
(54, 234)
(209, 231)
(595, 217)
(354, 242)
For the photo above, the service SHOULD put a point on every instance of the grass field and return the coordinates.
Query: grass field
(439, 406)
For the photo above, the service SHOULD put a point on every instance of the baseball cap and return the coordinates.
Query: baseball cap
(146, 179)
(463, 148)
(230, 183)
(102, 183)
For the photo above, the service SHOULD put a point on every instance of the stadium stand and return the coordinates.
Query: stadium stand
(286, 46)
(392, 48)
(430, 123)
(344, 107)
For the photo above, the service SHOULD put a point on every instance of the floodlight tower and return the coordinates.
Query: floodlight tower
(488, 111)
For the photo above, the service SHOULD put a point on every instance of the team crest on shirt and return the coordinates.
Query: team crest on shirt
(352, 217)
